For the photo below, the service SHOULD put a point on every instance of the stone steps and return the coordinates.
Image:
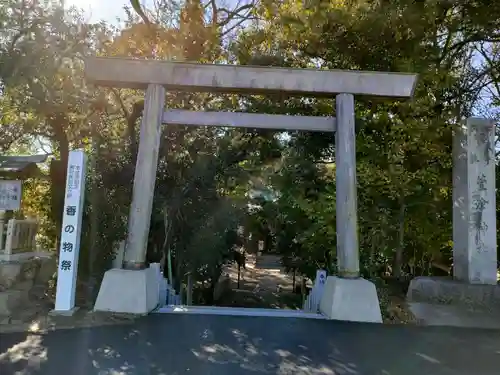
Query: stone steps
(238, 311)
(268, 262)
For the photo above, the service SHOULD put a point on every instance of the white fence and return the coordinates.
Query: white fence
(313, 299)
(18, 239)
(168, 296)
(171, 298)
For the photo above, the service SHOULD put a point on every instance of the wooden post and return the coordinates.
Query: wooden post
(345, 167)
(303, 288)
(189, 292)
(239, 275)
(144, 178)
(11, 237)
(2, 229)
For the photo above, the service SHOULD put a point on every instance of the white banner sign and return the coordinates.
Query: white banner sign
(10, 195)
(71, 230)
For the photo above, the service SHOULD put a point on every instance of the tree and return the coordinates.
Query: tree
(206, 175)
(404, 149)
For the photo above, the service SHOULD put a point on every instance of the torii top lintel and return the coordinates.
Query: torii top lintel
(139, 73)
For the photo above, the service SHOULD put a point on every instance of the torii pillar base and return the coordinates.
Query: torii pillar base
(128, 291)
(354, 300)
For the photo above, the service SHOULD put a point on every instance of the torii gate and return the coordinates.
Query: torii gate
(133, 289)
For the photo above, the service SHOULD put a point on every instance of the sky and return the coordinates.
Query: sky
(110, 10)
(97, 10)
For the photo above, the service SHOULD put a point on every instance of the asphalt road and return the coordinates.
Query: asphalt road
(222, 345)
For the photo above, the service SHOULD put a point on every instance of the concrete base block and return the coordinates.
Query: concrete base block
(64, 312)
(128, 291)
(12, 300)
(354, 300)
(449, 291)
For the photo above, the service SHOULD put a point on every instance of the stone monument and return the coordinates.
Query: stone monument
(474, 222)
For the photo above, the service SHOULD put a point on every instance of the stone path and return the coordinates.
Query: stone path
(220, 345)
(261, 287)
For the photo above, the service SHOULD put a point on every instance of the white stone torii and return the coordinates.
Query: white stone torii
(133, 289)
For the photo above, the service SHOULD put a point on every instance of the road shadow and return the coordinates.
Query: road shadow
(221, 345)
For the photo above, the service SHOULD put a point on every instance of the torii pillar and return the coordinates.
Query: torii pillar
(134, 288)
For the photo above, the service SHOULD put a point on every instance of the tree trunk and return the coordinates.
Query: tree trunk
(398, 255)
(372, 259)
(209, 293)
(94, 223)
(58, 171)
(137, 109)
